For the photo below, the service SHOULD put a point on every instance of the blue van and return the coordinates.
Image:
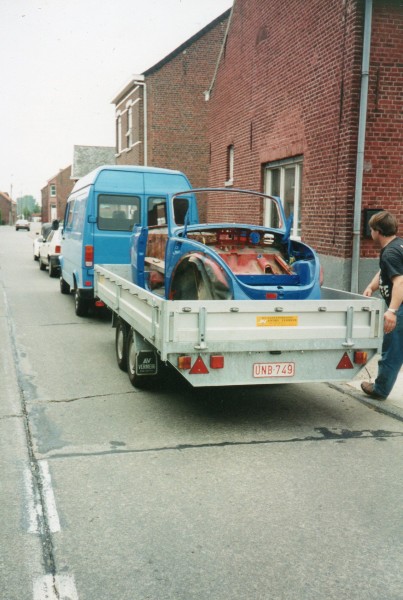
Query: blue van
(101, 212)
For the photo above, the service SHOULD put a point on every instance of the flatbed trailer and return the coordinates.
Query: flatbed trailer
(244, 342)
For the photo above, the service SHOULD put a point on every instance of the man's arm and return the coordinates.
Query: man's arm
(373, 286)
(395, 303)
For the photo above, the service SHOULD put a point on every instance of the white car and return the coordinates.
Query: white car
(49, 252)
(22, 224)
(40, 238)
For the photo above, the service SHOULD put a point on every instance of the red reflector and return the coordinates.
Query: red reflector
(216, 362)
(99, 303)
(58, 249)
(271, 296)
(88, 283)
(360, 357)
(184, 362)
(345, 362)
(89, 256)
(199, 367)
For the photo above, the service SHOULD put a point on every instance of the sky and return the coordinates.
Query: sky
(61, 64)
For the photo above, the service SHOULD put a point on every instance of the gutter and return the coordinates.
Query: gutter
(361, 146)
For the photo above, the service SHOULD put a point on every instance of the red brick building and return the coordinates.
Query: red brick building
(161, 115)
(55, 194)
(284, 117)
(7, 209)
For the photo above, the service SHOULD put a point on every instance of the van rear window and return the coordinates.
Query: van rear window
(118, 212)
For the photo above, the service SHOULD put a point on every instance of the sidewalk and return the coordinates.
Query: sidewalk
(393, 405)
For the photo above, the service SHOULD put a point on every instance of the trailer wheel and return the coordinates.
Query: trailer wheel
(133, 351)
(121, 344)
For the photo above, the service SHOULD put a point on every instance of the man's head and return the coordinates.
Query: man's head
(384, 223)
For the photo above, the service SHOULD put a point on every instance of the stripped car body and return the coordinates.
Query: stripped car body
(178, 258)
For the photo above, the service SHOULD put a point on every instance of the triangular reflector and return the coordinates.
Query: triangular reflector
(345, 362)
(198, 367)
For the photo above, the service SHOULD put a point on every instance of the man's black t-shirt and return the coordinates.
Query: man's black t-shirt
(391, 264)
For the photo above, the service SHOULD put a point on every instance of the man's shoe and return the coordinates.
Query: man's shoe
(368, 388)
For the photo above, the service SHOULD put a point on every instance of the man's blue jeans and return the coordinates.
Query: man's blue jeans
(391, 358)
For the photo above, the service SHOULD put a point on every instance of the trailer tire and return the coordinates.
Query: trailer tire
(121, 346)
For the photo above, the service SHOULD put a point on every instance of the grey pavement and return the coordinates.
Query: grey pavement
(393, 405)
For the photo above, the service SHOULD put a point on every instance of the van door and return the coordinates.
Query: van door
(116, 215)
(73, 239)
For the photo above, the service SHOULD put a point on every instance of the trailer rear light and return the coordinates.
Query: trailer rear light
(89, 256)
(360, 357)
(58, 249)
(199, 368)
(271, 296)
(184, 363)
(216, 361)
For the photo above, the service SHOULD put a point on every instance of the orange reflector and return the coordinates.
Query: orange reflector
(360, 357)
(345, 362)
(199, 368)
(99, 303)
(271, 296)
(216, 361)
(184, 362)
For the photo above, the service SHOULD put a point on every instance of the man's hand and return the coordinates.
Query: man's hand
(367, 291)
(389, 321)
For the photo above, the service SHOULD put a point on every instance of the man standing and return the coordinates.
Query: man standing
(389, 281)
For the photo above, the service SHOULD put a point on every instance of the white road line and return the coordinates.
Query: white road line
(33, 506)
(49, 497)
(58, 587)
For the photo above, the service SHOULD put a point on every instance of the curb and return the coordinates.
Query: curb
(380, 406)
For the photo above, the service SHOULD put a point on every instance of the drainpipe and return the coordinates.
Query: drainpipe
(361, 146)
(140, 80)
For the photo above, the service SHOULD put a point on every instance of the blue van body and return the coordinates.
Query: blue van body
(101, 212)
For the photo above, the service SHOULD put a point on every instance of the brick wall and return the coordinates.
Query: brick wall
(383, 179)
(177, 110)
(289, 85)
(64, 184)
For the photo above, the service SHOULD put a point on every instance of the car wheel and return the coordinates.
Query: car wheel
(64, 286)
(53, 271)
(82, 305)
(121, 345)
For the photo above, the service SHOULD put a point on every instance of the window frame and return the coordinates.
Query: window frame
(282, 165)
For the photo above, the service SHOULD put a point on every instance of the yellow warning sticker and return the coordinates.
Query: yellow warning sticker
(277, 321)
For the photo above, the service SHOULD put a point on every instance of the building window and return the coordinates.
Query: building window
(129, 132)
(119, 134)
(230, 165)
(284, 179)
(53, 190)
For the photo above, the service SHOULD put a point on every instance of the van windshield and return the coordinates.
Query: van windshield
(118, 212)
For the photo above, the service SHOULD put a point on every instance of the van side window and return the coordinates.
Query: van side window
(70, 213)
(118, 213)
(156, 212)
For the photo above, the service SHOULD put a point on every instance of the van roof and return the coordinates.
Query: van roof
(91, 177)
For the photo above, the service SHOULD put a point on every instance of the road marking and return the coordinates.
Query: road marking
(57, 587)
(49, 497)
(34, 508)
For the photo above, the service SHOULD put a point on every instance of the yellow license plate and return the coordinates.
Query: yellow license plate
(277, 321)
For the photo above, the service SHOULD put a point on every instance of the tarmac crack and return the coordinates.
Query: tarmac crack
(326, 436)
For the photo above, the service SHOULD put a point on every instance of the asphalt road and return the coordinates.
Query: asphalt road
(111, 493)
